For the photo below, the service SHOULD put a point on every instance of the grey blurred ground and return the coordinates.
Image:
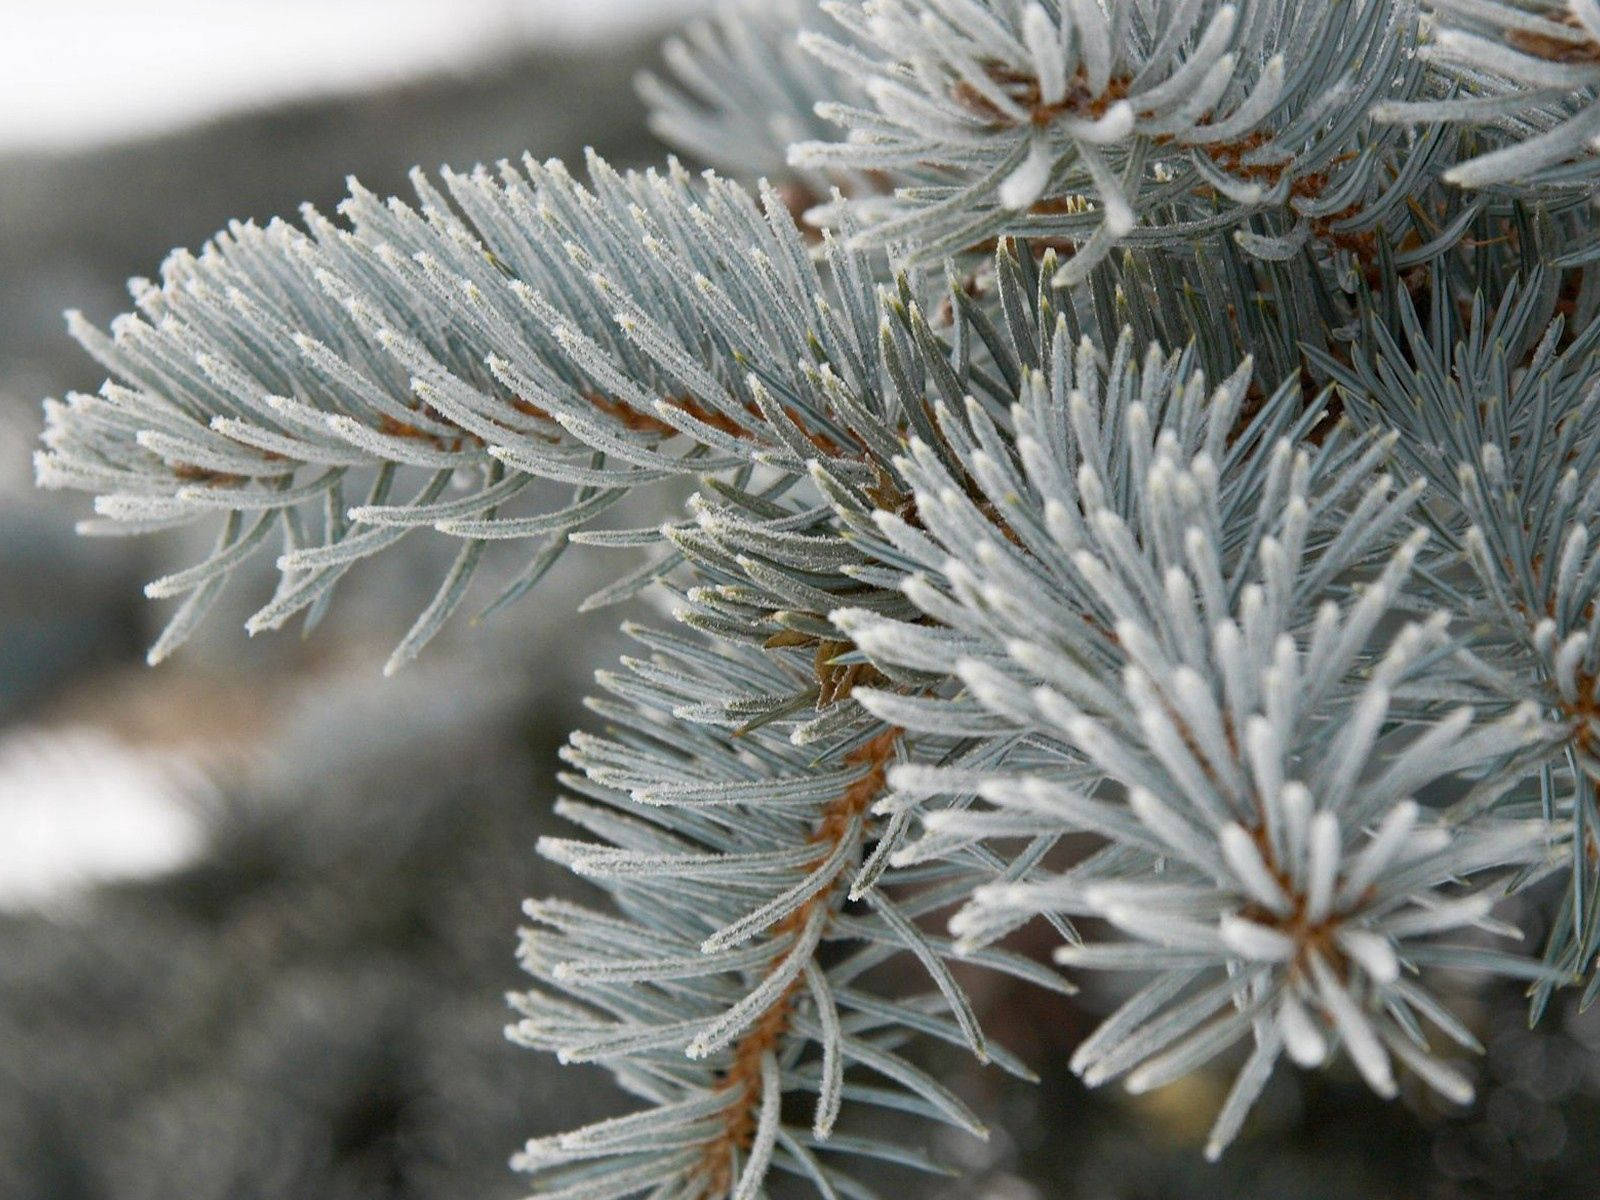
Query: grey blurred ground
(314, 1009)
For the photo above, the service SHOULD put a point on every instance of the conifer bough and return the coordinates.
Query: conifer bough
(1163, 433)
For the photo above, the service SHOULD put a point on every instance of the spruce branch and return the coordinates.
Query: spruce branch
(729, 853)
(1123, 123)
(1155, 592)
(1205, 554)
(741, 91)
(595, 340)
(1526, 77)
(1513, 477)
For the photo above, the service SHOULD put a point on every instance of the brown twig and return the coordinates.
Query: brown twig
(1556, 49)
(741, 1082)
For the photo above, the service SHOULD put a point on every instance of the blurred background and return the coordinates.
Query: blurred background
(257, 906)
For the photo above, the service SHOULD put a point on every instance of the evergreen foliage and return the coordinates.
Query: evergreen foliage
(1151, 490)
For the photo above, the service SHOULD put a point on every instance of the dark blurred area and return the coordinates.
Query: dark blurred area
(312, 1009)
(309, 1004)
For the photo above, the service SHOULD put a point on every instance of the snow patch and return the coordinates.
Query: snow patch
(78, 808)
